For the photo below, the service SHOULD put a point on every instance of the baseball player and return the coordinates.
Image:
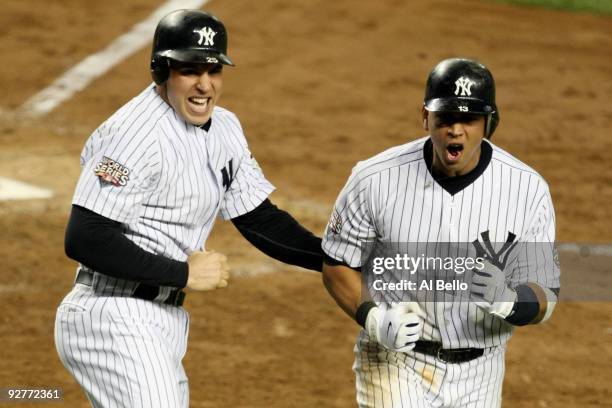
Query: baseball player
(155, 175)
(451, 189)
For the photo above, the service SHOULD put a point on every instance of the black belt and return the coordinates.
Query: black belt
(458, 355)
(143, 291)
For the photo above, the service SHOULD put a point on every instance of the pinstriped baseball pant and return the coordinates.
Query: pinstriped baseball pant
(386, 379)
(123, 352)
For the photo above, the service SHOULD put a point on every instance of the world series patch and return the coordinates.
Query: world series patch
(111, 172)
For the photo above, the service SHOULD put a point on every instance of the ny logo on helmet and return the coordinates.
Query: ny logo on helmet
(464, 85)
(206, 34)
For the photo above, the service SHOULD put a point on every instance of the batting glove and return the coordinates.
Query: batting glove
(396, 328)
(490, 291)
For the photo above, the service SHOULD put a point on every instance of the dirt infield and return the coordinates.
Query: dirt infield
(318, 86)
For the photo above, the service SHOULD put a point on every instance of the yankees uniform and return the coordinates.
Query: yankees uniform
(155, 176)
(394, 198)
(168, 180)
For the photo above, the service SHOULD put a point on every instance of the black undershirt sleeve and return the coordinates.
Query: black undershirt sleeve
(334, 262)
(99, 244)
(277, 234)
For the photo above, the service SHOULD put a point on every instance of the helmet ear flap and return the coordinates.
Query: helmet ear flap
(160, 69)
(491, 125)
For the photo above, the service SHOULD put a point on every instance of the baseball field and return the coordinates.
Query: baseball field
(318, 86)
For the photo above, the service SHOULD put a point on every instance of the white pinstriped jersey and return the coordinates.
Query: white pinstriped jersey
(165, 179)
(392, 197)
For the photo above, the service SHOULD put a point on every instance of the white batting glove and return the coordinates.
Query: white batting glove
(490, 291)
(396, 328)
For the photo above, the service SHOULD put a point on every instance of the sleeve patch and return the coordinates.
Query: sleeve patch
(335, 222)
(111, 172)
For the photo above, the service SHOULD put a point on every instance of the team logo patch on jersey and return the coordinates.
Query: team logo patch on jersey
(335, 223)
(111, 172)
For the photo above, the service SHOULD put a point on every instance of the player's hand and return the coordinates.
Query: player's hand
(396, 328)
(207, 270)
(490, 291)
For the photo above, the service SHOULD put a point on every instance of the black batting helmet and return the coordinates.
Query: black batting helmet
(462, 85)
(187, 36)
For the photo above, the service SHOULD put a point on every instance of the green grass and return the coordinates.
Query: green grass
(594, 6)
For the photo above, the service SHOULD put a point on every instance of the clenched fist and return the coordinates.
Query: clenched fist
(398, 327)
(207, 270)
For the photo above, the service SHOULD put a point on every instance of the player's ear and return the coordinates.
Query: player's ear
(425, 116)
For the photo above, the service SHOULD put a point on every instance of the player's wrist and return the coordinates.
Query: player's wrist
(372, 323)
(533, 305)
(362, 312)
(182, 273)
(367, 316)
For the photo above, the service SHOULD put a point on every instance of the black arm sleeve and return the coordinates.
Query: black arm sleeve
(333, 262)
(98, 243)
(278, 235)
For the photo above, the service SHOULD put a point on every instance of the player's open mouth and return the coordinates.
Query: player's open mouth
(198, 104)
(453, 152)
